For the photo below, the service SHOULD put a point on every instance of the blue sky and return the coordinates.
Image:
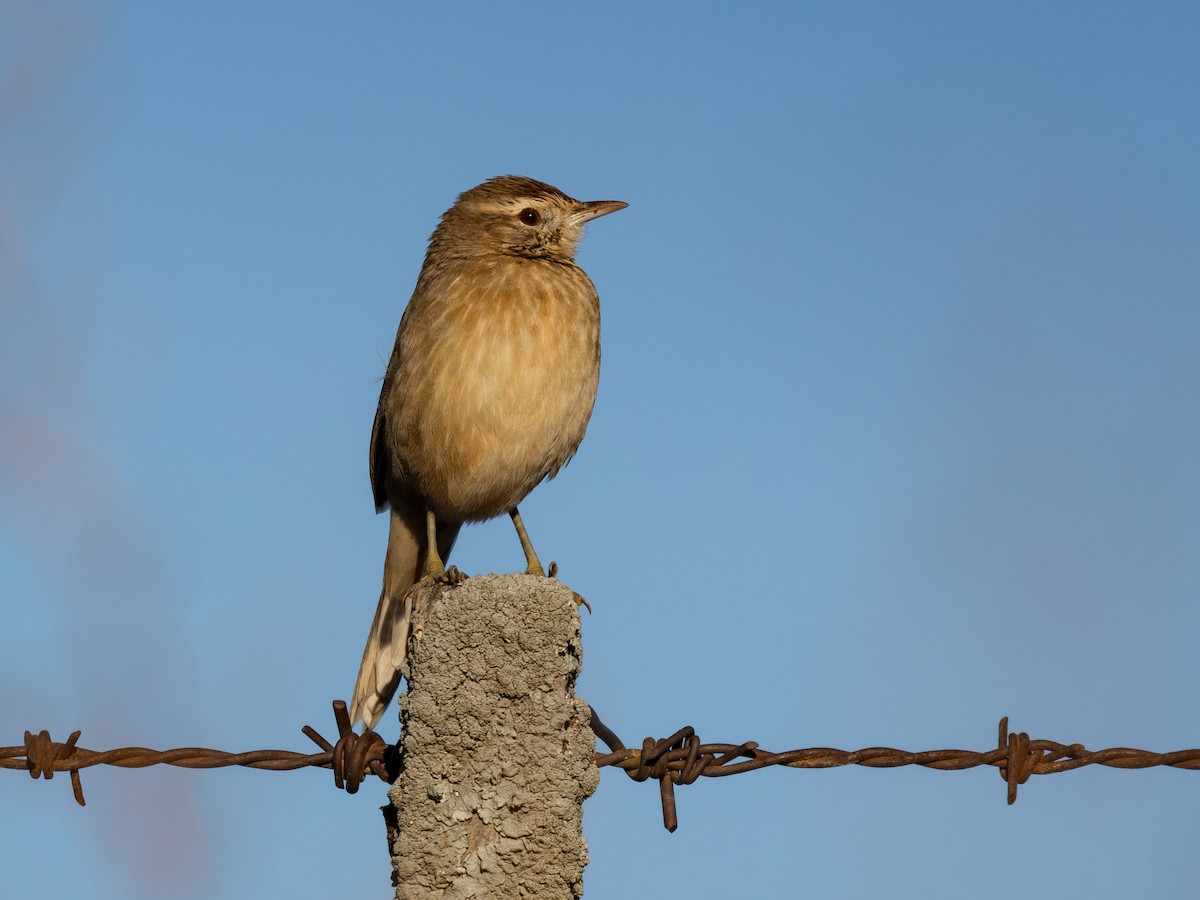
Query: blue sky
(897, 429)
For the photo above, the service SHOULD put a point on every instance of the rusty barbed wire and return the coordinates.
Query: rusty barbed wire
(682, 759)
(678, 759)
(352, 758)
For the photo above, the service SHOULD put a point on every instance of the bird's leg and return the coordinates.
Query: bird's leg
(534, 566)
(434, 567)
(435, 571)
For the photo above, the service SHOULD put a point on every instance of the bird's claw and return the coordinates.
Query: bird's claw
(452, 576)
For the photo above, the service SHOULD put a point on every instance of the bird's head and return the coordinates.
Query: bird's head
(518, 216)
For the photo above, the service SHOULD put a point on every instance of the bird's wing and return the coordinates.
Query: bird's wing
(381, 461)
(379, 456)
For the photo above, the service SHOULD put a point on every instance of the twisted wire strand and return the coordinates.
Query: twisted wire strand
(676, 760)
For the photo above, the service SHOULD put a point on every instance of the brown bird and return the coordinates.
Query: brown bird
(488, 392)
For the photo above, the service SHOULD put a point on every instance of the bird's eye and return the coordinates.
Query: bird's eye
(529, 216)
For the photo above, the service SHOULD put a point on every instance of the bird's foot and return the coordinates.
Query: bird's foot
(452, 576)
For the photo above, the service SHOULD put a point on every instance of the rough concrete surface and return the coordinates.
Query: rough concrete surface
(497, 749)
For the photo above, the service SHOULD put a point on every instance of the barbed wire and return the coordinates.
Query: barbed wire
(678, 759)
(352, 758)
(682, 759)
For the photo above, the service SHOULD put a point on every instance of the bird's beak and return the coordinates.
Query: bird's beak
(594, 209)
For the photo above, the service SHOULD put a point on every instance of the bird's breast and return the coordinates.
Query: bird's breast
(498, 367)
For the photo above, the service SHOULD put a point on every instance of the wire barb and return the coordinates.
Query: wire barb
(43, 755)
(354, 756)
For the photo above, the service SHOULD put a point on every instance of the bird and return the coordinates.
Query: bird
(487, 393)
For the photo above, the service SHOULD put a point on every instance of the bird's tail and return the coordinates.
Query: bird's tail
(387, 644)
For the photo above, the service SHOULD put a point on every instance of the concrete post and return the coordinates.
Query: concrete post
(497, 749)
